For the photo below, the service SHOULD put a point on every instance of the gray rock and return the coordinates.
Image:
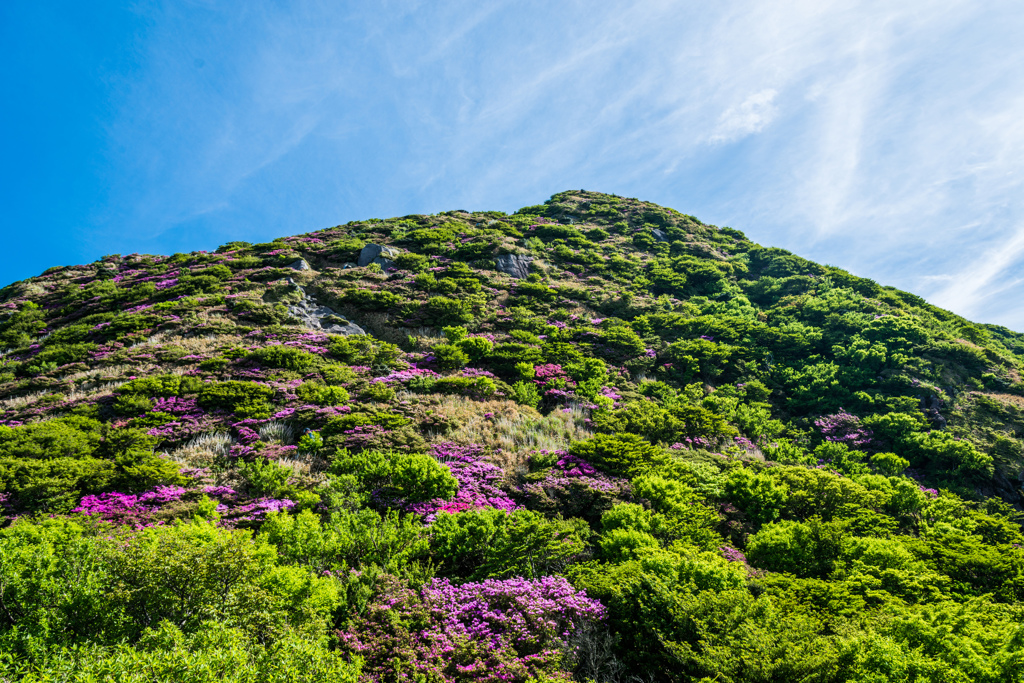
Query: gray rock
(299, 265)
(371, 252)
(348, 329)
(384, 263)
(516, 265)
(319, 317)
(659, 235)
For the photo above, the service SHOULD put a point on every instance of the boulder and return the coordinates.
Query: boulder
(516, 265)
(349, 328)
(299, 265)
(320, 317)
(659, 235)
(376, 253)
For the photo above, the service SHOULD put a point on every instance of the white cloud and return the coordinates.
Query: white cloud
(755, 112)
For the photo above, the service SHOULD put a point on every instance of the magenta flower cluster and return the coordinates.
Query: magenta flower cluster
(128, 508)
(402, 376)
(571, 471)
(479, 482)
(842, 427)
(492, 631)
(188, 418)
(732, 555)
(139, 510)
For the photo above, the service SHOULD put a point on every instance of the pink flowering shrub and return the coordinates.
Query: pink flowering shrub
(127, 508)
(479, 482)
(495, 630)
(144, 509)
(571, 485)
(844, 428)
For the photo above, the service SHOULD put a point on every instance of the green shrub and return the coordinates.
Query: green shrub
(394, 476)
(261, 313)
(371, 299)
(63, 354)
(618, 454)
(245, 399)
(264, 478)
(64, 437)
(320, 394)
(441, 310)
(287, 357)
(449, 356)
(349, 538)
(490, 543)
(476, 348)
(161, 385)
(377, 391)
(526, 393)
(215, 653)
(889, 464)
(805, 549)
(62, 583)
(409, 261)
(364, 350)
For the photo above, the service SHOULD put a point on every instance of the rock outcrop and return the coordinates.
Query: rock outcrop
(375, 253)
(516, 265)
(320, 317)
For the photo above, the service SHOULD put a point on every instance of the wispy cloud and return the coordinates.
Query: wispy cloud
(884, 138)
(751, 116)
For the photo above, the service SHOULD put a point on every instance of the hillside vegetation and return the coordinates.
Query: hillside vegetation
(659, 452)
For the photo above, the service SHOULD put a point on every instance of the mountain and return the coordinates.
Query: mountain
(596, 438)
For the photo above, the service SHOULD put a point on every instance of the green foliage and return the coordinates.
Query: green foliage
(410, 261)
(62, 585)
(758, 495)
(320, 394)
(441, 310)
(245, 399)
(50, 464)
(214, 653)
(370, 299)
(665, 424)
(943, 451)
(889, 464)
(618, 454)
(161, 385)
(804, 549)
(526, 393)
(395, 476)
(264, 477)
(490, 543)
(449, 356)
(364, 350)
(287, 357)
(347, 539)
(261, 313)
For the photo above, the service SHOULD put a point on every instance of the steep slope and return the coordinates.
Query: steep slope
(597, 404)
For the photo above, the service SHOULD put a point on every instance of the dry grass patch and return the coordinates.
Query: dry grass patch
(1012, 399)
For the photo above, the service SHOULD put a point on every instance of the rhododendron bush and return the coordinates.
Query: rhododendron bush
(511, 630)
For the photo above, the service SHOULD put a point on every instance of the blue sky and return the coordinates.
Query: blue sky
(886, 138)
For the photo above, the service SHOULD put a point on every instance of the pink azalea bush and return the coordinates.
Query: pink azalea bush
(479, 482)
(495, 630)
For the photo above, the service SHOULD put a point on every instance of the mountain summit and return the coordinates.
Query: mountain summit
(596, 438)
